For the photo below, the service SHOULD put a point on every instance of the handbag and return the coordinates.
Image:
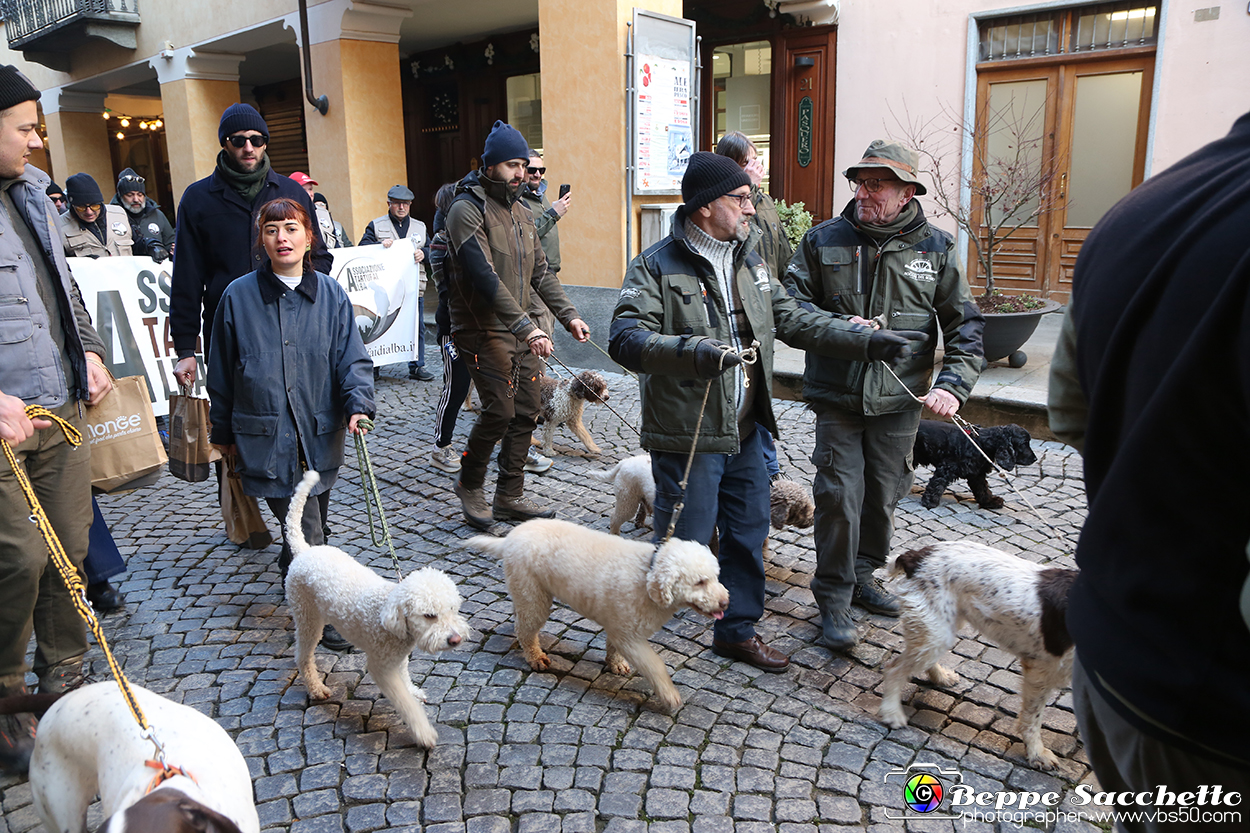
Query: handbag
(126, 449)
(190, 451)
(244, 524)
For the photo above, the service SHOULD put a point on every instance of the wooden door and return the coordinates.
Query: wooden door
(803, 170)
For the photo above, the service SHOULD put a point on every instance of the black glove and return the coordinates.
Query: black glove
(895, 345)
(712, 357)
(158, 252)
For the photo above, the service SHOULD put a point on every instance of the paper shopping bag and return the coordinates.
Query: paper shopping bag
(126, 450)
(244, 525)
(190, 452)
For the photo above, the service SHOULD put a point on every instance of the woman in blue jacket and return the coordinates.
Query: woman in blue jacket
(287, 372)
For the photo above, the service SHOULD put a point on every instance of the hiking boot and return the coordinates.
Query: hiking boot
(66, 675)
(332, 639)
(837, 630)
(420, 374)
(17, 735)
(520, 508)
(873, 598)
(445, 459)
(535, 462)
(104, 597)
(473, 502)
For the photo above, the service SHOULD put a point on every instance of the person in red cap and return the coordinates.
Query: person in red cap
(306, 182)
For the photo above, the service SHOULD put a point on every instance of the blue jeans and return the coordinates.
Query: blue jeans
(770, 451)
(729, 492)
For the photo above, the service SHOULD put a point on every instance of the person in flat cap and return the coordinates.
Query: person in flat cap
(51, 357)
(697, 312)
(398, 224)
(880, 264)
(149, 227)
(498, 279)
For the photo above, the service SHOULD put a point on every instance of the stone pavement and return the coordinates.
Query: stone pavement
(573, 749)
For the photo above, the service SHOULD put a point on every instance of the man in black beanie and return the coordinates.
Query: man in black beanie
(215, 239)
(493, 305)
(57, 194)
(690, 308)
(149, 228)
(93, 229)
(52, 357)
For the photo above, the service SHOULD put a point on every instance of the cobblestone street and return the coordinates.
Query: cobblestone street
(573, 749)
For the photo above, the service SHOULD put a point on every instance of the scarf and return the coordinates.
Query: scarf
(882, 233)
(248, 186)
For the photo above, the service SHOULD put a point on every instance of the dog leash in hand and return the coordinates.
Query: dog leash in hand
(69, 574)
(970, 431)
(748, 356)
(592, 393)
(373, 497)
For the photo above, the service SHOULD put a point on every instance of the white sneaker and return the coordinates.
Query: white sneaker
(445, 458)
(535, 462)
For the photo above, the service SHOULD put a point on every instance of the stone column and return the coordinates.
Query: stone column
(78, 136)
(582, 53)
(196, 88)
(356, 150)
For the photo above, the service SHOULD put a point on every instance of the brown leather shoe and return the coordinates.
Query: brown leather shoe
(753, 652)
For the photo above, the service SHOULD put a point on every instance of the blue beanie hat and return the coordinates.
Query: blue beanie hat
(504, 142)
(240, 117)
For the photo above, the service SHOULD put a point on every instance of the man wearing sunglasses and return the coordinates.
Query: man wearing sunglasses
(149, 228)
(215, 233)
(93, 229)
(880, 264)
(688, 307)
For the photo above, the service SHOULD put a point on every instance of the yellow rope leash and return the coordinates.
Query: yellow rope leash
(69, 574)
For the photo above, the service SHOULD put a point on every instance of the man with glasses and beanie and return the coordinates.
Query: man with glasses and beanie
(57, 194)
(497, 283)
(50, 356)
(216, 231)
(150, 230)
(398, 224)
(878, 264)
(93, 229)
(689, 307)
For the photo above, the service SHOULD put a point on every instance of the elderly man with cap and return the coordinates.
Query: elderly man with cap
(93, 229)
(397, 224)
(51, 357)
(697, 313)
(879, 263)
(149, 228)
(216, 234)
(497, 282)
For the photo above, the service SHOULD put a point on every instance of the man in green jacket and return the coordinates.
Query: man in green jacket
(690, 308)
(498, 281)
(879, 263)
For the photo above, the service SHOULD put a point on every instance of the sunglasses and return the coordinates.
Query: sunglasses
(138, 179)
(58, 201)
(95, 206)
(255, 141)
(532, 171)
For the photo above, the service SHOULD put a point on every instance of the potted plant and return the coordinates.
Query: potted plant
(1010, 183)
(795, 220)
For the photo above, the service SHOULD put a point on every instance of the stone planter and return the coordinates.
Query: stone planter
(1006, 333)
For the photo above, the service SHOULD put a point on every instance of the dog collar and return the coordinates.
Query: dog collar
(165, 773)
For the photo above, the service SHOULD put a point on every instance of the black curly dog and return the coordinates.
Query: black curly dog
(943, 445)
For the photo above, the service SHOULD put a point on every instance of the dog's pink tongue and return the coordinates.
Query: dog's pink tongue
(720, 614)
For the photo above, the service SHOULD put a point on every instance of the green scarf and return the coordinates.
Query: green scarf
(882, 233)
(248, 185)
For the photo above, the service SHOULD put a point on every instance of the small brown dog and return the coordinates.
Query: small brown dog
(563, 401)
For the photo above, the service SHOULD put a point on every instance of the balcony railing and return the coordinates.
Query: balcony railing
(29, 21)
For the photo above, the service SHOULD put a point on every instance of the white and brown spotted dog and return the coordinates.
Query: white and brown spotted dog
(89, 743)
(563, 401)
(1019, 605)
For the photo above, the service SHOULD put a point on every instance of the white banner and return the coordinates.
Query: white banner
(128, 300)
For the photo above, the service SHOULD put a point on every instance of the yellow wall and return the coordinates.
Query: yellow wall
(192, 111)
(583, 78)
(356, 150)
(78, 143)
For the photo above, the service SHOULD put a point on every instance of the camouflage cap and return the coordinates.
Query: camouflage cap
(900, 160)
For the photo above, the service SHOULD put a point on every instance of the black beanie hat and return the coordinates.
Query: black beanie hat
(320, 198)
(504, 142)
(128, 181)
(53, 188)
(708, 176)
(82, 190)
(15, 87)
(239, 117)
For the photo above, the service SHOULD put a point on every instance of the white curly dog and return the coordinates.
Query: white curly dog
(89, 743)
(1019, 605)
(630, 588)
(384, 619)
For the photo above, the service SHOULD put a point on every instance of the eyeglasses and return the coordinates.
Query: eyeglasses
(136, 178)
(256, 141)
(58, 201)
(872, 186)
(532, 171)
(743, 199)
(95, 206)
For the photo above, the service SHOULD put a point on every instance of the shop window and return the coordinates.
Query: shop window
(525, 107)
(1081, 29)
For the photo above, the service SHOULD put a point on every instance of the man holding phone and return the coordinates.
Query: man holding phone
(546, 215)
